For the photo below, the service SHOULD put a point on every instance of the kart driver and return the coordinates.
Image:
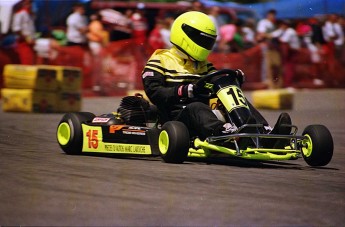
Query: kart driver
(170, 75)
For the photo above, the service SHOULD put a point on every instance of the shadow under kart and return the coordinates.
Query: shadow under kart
(128, 131)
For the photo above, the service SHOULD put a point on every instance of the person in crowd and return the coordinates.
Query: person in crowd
(197, 6)
(170, 74)
(155, 39)
(24, 28)
(77, 26)
(342, 54)
(97, 35)
(139, 26)
(214, 13)
(266, 25)
(159, 37)
(226, 33)
(165, 31)
(46, 47)
(271, 65)
(248, 31)
(289, 41)
(97, 38)
(339, 35)
(333, 35)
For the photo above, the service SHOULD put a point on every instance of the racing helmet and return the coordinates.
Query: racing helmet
(194, 33)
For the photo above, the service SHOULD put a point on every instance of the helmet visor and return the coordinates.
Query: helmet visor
(200, 38)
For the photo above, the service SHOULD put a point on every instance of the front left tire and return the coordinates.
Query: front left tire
(69, 132)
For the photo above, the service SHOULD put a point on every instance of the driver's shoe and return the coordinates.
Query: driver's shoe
(280, 129)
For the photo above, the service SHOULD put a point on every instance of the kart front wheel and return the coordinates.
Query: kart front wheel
(173, 142)
(317, 147)
(69, 132)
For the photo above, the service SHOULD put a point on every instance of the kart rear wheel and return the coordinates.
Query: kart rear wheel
(317, 148)
(173, 142)
(69, 132)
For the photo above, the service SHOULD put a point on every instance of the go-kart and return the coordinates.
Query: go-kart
(134, 130)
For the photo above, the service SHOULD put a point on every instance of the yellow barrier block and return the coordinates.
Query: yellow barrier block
(69, 101)
(272, 99)
(30, 77)
(28, 100)
(69, 78)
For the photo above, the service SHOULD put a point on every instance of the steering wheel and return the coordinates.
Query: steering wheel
(200, 84)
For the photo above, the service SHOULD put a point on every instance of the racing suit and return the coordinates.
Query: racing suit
(167, 72)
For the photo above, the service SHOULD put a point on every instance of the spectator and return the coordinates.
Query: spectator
(289, 44)
(342, 24)
(339, 35)
(197, 6)
(46, 48)
(77, 26)
(214, 15)
(96, 35)
(271, 65)
(248, 31)
(97, 38)
(139, 26)
(266, 26)
(165, 31)
(23, 27)
(227, 33)
(160, 36)
(155, 37)
(330, 36)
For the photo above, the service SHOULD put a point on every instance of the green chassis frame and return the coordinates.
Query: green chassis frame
(202, 148)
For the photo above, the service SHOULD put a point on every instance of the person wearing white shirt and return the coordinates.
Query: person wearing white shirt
(271, 63)
(23, 23)
(288, 35)
(24, 28)
(77, 26)
(333, 33)
(289, 46)
(267, 25)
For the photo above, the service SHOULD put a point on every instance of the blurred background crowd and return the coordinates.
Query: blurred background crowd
(111, 40)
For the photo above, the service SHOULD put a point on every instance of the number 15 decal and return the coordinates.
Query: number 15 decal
(232, 97)
(92, 136)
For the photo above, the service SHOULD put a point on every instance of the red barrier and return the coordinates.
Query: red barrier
(118, 67)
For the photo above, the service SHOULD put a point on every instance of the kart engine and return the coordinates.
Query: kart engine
(134, 110)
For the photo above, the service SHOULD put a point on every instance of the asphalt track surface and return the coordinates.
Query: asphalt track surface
(40, 185)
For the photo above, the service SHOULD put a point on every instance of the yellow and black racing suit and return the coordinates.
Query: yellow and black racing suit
(164, 73)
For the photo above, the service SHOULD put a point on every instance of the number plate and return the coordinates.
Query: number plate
(232, 98)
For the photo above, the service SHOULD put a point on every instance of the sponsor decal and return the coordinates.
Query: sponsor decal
(124, 148)
(100, 120)
(133, 130)
(147, 74)
(114, 128)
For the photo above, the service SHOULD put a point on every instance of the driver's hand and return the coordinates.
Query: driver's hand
(186, 91)
(190, 91)
(240, 76)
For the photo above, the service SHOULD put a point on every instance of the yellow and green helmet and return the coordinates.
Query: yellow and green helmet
(195, 34)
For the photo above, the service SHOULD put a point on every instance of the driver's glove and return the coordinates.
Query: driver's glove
(185, 91)
(240, 76)
(190, 91)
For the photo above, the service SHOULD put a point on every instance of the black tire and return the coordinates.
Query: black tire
(69, 132)
(318, 150)
(174, 142)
